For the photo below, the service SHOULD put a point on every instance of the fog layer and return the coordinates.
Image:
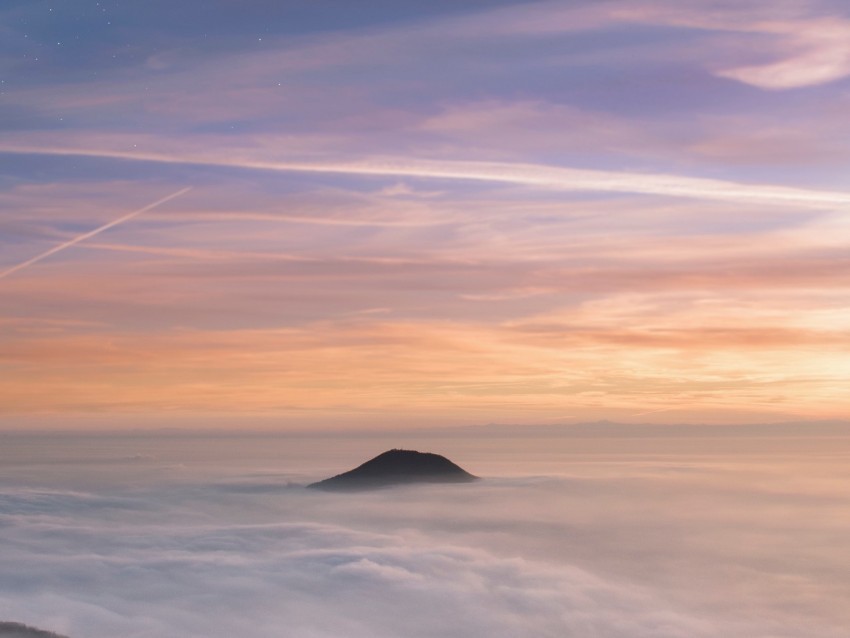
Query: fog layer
(127, 540)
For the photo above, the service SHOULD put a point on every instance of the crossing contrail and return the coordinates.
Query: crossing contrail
(92, 233)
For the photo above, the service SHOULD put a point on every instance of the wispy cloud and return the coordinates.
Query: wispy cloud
(813, 46)
(540, 176)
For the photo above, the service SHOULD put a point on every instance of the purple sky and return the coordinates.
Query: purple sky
(417, 213)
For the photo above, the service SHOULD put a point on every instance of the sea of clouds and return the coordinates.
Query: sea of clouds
(622, 547)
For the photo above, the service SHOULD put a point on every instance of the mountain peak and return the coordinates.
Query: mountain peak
(397, 467)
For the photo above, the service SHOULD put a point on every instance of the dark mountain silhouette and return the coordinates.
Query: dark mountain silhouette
(17, 630)
(397, 467)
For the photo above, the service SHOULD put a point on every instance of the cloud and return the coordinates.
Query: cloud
(708, 350)
(631, 549)
(538, 126)
(533, 175)
(312, 580)
(818, 52)
(811, 42)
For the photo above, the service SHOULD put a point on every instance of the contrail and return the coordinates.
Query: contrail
(92, 233)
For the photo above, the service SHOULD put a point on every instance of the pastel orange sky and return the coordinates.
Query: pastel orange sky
(523, 212)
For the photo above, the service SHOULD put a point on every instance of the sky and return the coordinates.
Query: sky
(423, 213)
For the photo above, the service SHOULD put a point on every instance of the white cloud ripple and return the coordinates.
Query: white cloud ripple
(306, 580)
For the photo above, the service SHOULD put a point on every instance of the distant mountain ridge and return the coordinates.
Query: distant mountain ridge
(397, 467)
(615, 429)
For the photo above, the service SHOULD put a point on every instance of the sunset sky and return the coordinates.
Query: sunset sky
(423, 213)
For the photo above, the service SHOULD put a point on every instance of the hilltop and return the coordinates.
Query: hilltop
(397, 467)
(19, 630)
